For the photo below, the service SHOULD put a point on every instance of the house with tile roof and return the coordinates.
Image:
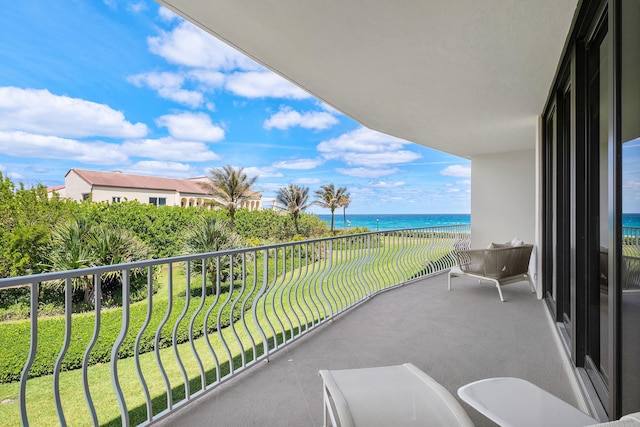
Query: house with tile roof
(116, 187)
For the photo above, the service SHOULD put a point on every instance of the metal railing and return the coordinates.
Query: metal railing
(630, 258)
(204, 319)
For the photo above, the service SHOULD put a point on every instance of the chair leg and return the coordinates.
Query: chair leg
(499, 291)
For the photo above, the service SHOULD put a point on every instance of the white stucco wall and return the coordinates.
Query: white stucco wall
(75, 186)
(106, 194)
(503, 197)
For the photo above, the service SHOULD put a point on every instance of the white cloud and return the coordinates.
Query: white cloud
(191, 127)
(464, 182)
(631, 185)
(208, 79)
(364, 147)
(265, 172)
(168, 86)
(190, 46)
(388, 184)
(263, 84)
(366, 172)
(362, 140)
(22, 144)
(169, 149)
(269, 186)
(298, 164)
(15, 175)
(308, 181)
(457, 171)
(165, 169)
(41, 112)
(166, 15)
(375, 160)
(137, 7)
(287, 118)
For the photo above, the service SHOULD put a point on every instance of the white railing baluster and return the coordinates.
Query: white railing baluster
(33, 346)
(247, 299)
(224, 304)
(215, 288)
(97, 289)
(136, 354)
(68, 290)
(164, 321)
(192, 342)
(233, 308)
(124, 414)
(176, 353)
(259, 297)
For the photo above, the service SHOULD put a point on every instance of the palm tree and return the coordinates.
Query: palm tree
(79, 244)
(69, 251)
(213, 235)
(230, 187)
(344, 202)
(295, 199)
(328, 197)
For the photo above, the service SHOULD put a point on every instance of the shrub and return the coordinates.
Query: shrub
(14, 336)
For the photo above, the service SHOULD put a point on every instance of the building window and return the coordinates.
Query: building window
(86, 196)
(158, 201)
(116, 199)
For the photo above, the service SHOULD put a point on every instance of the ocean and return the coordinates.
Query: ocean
(394, 222)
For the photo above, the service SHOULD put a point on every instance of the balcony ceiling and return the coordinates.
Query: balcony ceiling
(466, 77)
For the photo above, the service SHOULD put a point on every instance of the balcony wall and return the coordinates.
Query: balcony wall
(503, 197)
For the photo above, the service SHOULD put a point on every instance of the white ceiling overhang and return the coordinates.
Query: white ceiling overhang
(468, 77)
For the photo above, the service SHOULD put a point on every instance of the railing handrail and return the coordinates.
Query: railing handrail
(10, 282)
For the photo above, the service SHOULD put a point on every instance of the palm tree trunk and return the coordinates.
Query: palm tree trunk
(295, 223)
(332, 217)
(344, 216)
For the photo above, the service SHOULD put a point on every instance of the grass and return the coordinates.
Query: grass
(299, 296)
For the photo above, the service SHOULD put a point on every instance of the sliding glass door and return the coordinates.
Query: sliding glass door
(597, 280)
(591, 182)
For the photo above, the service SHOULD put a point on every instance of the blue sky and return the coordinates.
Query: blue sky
(127, 85)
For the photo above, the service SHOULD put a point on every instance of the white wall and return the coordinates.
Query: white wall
(105, 194)
(503, 197)
(75, 186)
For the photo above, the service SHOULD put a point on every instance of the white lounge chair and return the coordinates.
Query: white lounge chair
(397, 396)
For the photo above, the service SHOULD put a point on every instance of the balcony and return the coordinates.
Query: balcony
(196, 352)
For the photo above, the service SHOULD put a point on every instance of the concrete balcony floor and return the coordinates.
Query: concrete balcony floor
(455, 337)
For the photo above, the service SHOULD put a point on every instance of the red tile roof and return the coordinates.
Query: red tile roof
(54, 188)
(119, 179)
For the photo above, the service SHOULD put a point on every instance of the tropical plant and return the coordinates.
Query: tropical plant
(344, 202)
(329, 197)
(295, 199)
(79, 244)
(213, 235)
(230, 187)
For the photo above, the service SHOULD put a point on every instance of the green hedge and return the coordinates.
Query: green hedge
(15, 336)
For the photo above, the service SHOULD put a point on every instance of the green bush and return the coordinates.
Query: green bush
(15, 336)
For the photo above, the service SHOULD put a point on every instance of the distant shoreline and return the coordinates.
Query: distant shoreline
(375, 222)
